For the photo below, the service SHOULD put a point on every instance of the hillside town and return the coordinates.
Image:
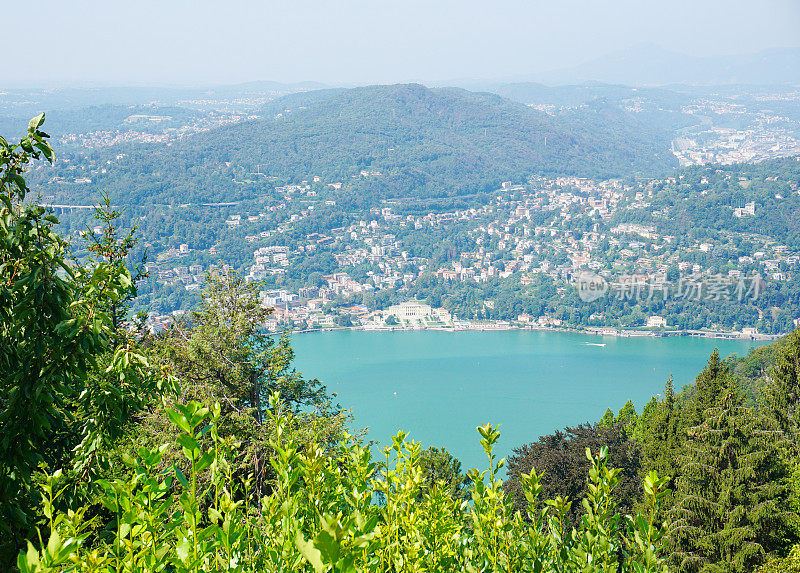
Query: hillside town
(553, 228)
(152, 129)
(757, 136)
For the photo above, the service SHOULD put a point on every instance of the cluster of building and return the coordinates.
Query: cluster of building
(766, 136)
(144, 128)
(556, 227)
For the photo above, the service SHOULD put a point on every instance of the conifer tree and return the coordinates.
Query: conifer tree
(628, 417)
(669, 393)
(780, 400)
(781, 393)
(729, 511)
(707, 389)
(221, 352)
(608, 419)
(660, 435)
(643, 423)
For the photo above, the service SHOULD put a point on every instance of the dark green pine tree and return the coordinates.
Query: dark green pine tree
(729, 511)
(781, 393)
(608, 419)
(657, 432)
(660, 438)
(628, 417)
(644, 423)
(707, 389)
(669, 394)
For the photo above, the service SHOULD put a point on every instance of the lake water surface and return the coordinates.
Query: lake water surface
(438, 386)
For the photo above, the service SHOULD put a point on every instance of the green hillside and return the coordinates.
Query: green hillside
(423, 142)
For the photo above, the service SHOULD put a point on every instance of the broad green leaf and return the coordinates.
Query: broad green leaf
(181, 477)
(34, 124)
(311, 553)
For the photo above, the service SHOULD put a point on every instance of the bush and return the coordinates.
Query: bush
(321, 514)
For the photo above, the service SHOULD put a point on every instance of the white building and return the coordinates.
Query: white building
(656, 322)
(415, 312)
(748, 209)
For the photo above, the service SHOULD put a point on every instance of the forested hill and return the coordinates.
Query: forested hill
(436, 136)
(422, 142)
(431, 142)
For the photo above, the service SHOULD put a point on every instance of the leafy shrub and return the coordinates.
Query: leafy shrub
(322, 514)
(69, 379)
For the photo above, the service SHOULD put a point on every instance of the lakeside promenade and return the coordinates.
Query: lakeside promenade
(461, 326)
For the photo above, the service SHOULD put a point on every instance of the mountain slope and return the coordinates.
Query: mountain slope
(423, 142)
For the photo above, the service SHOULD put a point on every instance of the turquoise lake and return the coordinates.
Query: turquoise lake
(438, 386)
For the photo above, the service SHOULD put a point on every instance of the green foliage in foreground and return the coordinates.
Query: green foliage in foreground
(322, 514)
(69, 379)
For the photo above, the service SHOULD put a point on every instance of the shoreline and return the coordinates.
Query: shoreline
(593, 331)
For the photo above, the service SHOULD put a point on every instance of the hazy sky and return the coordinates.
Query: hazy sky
(359, 41)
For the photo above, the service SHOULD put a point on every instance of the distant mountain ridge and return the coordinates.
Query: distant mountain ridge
(423, 142)
(26, 102)
(580, 94)
(651, 65)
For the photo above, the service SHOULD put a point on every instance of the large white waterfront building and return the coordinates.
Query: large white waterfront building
(413, 312)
